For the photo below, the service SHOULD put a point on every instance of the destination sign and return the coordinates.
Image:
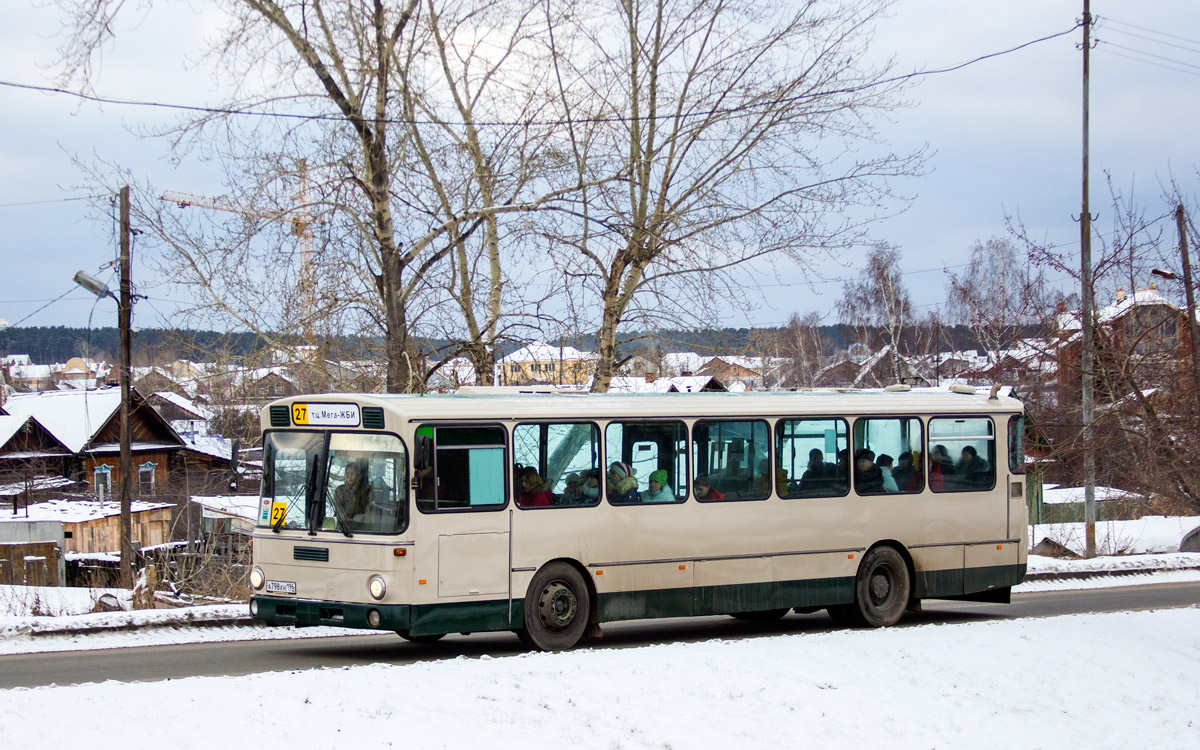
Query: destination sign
(325, 415)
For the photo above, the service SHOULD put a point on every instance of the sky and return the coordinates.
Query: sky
(1004, 136)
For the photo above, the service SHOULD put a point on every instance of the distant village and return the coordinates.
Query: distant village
(195, 424)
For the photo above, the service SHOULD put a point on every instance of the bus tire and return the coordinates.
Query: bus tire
(764, 615)
(881, 589)
(557, 608)
(431, 638)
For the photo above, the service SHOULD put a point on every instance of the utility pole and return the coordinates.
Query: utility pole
(1193, 334)
(125, 322)
(1085, 277)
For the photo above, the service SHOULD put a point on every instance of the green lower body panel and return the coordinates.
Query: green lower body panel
(277, 610)
(720, 600)
(957, 582)
(503, 614)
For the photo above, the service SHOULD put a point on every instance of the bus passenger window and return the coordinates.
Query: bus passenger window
(887, 456)
(647, 462)
(556, 465)
(962, 455)
(813, 454)
(468, 470)
(733, 458)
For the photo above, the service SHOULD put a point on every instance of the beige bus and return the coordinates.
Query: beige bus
(547, 514)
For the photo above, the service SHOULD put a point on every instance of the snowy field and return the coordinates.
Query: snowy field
(1123, 680)
(1148, 535)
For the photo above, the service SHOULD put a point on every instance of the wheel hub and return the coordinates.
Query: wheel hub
(557, 605)
(880, 588)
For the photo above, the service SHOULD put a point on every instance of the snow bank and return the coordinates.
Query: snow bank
(1148, 535)
(1097, 681)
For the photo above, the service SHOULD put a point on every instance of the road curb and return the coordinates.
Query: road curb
(1078, 575)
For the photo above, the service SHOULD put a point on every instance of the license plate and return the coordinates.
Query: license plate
(281, 587)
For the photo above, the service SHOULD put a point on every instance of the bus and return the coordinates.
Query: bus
(548, 514)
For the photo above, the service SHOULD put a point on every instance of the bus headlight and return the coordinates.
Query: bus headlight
(377, 587)
(257, 579)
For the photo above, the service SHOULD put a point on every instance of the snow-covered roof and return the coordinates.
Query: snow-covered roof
(1070, 320)
(77, 511)
(211, 445)
(72, 417)
(185, 403)
(38, 484)
(679, 362)
(231, 506)
(539, 351)
(9, 425)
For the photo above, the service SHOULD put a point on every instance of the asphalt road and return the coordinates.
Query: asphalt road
(152, 663)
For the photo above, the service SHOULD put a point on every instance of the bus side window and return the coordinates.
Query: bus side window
(468, 469)
(734, 457)
(644, 462)
(962, 454)
(814, 454)
(887, 455)
(564, 457)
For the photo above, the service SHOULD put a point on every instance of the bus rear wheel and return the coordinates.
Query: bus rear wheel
(881, 589)
(557, 608)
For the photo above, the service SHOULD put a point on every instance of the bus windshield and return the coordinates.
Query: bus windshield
(344, 482)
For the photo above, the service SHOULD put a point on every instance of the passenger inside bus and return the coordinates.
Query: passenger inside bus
(590, 491)
(908, 479)
(971, 471)
(658, 492)
(532, 491)
(868, 478)
(704, 489)
(573, 492)
(820, 475)
(884, 462)
(622, 487)
(353, 496)
(940, 467)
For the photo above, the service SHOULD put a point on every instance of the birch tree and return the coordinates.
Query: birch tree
(741, 132)
(879, 300)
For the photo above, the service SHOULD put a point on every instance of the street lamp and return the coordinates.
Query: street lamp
(125, 326)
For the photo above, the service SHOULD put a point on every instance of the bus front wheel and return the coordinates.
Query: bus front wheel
(557, 608)
(881, 589)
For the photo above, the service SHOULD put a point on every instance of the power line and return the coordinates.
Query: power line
(1171, 60)
(1151, 62)
(568, 121)
(50, 200)
(1152, 40)
(1109, 19)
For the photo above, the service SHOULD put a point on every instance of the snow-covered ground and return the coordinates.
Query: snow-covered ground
(1124, 680)
(1148, 535)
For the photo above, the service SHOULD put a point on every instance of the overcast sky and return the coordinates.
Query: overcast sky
(1005, 135)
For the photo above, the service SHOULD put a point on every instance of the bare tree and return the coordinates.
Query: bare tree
(879, 300)
(738, 131)
(801, 345)
(434, 137)
(997, 295)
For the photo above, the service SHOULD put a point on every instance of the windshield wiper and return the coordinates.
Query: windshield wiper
(283, 516)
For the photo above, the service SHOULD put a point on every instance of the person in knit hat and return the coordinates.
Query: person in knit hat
(622, 487)
(658, 492)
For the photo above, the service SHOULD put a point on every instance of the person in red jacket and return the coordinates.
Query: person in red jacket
(704, 490)
(531, 491)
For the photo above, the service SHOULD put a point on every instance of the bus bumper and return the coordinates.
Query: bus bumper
(275, 610)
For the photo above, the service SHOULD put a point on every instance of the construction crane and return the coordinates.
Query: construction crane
(301, 220)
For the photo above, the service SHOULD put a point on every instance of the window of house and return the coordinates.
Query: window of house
(811, 457)
(887, 456)
(102, 482)
(556, 464)
(146, 478)
(962, 455)
(639, 453)
(732, 458)
(468, 469)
